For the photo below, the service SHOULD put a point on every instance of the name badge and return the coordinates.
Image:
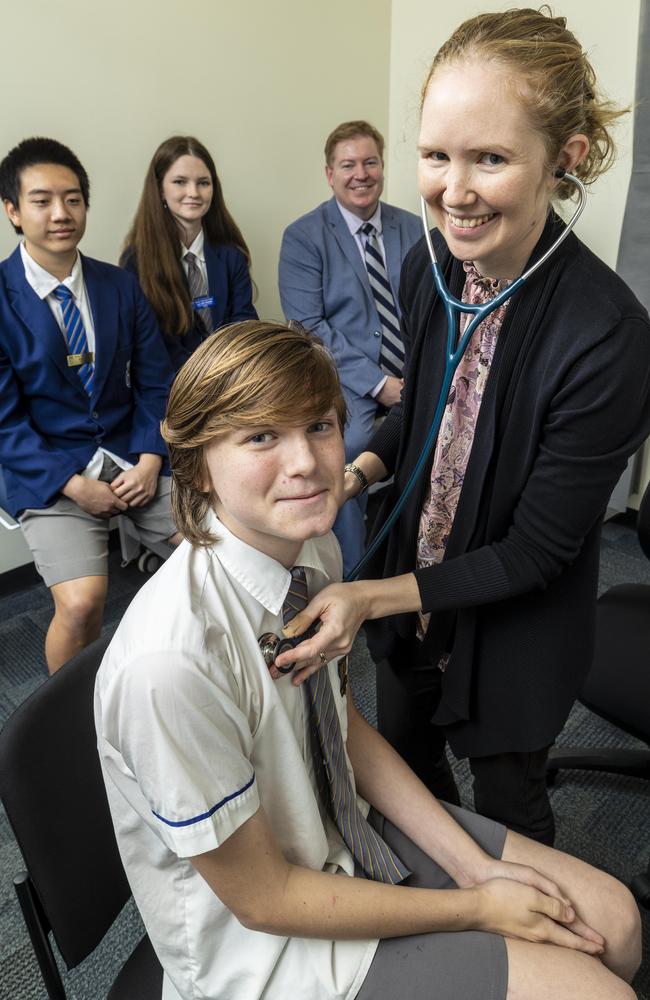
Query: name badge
(204, 303)
(75, 360)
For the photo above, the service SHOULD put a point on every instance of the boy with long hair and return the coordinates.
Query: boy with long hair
(241, 802)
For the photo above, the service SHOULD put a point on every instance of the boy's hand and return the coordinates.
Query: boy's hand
(516, 910)
(137, 486)
(93, 496)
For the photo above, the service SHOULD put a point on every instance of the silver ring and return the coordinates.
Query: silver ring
(323, 658)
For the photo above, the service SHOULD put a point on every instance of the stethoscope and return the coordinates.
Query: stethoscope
(272, 645)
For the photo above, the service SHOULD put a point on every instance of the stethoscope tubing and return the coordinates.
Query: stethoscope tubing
(455, 348)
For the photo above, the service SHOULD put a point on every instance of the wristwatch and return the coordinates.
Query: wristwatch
(358, 474)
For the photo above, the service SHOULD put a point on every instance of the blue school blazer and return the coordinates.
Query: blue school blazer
(229, 284)
(49, 428)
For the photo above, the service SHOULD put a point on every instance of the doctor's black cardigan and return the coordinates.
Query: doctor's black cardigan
(566, 403)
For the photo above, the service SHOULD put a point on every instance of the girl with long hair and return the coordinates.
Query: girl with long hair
(187, 250)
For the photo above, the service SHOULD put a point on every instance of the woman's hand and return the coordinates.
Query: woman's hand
(371, 467)
(310, 666)
(342, 608)
(351, 487)
(514, 909)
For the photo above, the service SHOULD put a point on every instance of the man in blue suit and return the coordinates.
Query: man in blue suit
(83, 382)
(339, 277)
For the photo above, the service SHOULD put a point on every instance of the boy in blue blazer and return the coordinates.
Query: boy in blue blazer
(83, 382)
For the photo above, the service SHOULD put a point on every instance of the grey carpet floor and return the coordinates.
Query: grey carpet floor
(601, 818)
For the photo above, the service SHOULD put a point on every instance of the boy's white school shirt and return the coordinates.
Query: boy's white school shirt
(193, 735)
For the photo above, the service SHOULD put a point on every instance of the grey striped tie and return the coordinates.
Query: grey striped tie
(198, 290)
(391, 352)
(370, 852)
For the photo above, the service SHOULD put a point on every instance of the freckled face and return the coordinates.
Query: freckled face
(482, 168)
(276, 486)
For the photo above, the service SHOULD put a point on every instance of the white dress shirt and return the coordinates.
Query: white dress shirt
(197, 247)
(354, 224)
(44, 285)
(193, 736)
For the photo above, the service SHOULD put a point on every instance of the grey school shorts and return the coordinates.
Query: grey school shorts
(464, 965)
(68, 543)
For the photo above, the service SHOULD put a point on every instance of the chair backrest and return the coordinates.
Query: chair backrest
(643, 522)
(52, 789)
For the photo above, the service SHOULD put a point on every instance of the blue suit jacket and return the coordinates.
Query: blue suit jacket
(324, 285)
(49, 429)
(229, 283)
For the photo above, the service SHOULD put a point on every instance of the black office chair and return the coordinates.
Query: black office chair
(618, 685)
(52, 789)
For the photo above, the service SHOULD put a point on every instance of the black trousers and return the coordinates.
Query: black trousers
(508, 787)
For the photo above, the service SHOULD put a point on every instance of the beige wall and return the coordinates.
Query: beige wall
(260, 83)
(418, 28)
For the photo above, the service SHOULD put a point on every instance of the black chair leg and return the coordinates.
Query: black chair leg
(634, 763)
(37, 928)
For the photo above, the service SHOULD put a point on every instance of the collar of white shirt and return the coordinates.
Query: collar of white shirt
(263, 577)
(354, 223)
(44, 283)
(196, 247)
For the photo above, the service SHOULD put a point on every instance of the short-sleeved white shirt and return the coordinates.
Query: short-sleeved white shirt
(193, 736)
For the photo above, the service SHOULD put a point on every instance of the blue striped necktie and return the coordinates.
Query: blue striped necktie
(371, 853)
(391, 352)
(75, 334)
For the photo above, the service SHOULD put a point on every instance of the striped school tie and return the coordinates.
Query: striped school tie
(391, 352)
(370, 852)
(198, 290)
(75, 334)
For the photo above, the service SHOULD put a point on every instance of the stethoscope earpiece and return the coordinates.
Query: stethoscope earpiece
(560, 173)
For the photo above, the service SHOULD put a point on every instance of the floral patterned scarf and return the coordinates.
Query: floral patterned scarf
(456, 434)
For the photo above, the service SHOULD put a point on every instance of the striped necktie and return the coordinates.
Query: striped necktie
(75, 334)
(370, 852)
(198, 290)
(391, 352)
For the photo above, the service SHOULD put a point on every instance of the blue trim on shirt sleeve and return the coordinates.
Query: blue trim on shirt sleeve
(206, 815)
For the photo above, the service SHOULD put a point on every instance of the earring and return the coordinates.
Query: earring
(164, 203)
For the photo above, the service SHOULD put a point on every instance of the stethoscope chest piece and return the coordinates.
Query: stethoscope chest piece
(271, 645)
